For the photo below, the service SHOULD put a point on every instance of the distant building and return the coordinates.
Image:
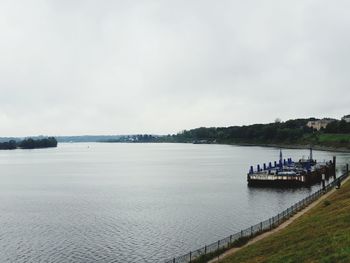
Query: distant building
(319, 124)
(346, 118)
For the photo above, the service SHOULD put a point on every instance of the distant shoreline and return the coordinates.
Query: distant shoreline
(285, 146)
(296, 146)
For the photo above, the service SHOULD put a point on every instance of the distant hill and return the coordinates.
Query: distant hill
(88, 138)
(110, 138)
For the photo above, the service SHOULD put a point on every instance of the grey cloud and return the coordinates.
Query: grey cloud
(112, 67)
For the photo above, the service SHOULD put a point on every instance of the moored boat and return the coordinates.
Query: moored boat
(289, 173)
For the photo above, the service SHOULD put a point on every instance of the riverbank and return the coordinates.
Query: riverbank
(294, 146)
(275, 145)
(317, 233)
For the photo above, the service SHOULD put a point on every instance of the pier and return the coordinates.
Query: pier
(288, 173)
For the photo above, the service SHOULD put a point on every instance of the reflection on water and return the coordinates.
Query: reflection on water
(132, 202)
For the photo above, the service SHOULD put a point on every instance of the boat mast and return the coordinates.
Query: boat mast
(310, 153)
(281, 160)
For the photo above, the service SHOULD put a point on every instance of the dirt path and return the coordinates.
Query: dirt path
(280, 227)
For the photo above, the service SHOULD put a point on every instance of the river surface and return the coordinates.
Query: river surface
(99, 202)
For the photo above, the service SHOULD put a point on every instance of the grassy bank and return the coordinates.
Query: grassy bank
(342, 138)
(327, 140)
(318, 141)
(319, 147)
(321, 235)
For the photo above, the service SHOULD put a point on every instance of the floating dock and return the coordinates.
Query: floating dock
(289, 173)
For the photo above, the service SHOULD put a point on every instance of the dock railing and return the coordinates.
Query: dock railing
(212, 250)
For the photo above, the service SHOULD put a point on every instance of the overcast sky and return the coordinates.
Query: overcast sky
(119, 67)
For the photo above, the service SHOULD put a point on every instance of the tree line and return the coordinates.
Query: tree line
(289, 131)
(338, 127)
(29, 143)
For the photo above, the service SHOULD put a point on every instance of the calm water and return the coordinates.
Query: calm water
(131, 202)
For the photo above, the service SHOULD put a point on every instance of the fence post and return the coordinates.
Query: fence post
(190, 256)
(251, 231)
(323, 182)
(261, 226)
(230, 239)
(270, 222)
(174, 260)
(205, 249)
(241, 233)
(338, 182)
(218, 244)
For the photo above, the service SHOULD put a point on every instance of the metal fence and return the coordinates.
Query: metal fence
(254, 230)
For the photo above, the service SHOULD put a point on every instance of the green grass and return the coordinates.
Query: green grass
(330, 140)
(334, 137)
(321, 235)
